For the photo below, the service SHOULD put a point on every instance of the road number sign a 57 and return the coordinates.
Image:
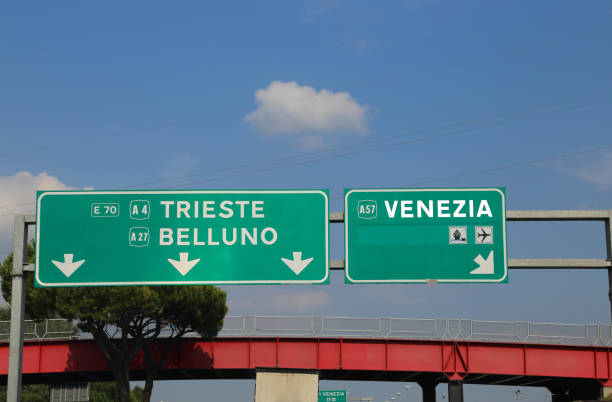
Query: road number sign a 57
(91, 238)
(424, 235)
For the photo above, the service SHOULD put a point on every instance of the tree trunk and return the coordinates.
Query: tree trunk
(148, 389)
(118, 355)
(154, 367)
(123, 389)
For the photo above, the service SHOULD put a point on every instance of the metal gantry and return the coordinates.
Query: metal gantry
(23, 222)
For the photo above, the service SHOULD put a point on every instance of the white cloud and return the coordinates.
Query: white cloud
(598, 171)
(288, 109)
(17, 196)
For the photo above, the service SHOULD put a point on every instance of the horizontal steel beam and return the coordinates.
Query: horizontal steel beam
(533, 263)
(336, 265)
(337, 358)
(559, 215)
(336, 217)
(559, 263)
(535, 215)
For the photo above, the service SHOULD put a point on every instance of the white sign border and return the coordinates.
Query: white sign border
(346, 248)
(142, 192)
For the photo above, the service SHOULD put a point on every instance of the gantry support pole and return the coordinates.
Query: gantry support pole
(20, 253)
(609, 257)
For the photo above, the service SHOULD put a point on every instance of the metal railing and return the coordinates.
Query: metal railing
(384, 328)
(426, 329)
(57, 328)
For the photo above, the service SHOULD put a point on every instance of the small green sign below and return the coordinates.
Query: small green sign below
(425, 235)
(93, 238)
(332, 396)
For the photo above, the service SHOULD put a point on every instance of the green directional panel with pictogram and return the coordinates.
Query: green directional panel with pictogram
(425, 235)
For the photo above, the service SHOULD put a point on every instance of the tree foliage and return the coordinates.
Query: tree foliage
(30, 393)
(5, 313)
(98, 392)
(40, 302)
(107, 392)
(125, 321)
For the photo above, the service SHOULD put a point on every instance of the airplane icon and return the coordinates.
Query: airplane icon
(484, 234)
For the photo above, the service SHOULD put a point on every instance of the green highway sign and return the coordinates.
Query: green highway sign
(91, 238)
(332, 396)
(425, 235)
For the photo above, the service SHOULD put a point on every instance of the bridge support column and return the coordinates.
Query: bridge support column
(560, 397)
(455, 391)
(275, 385)
(429, 391)
(606, 392)
(586, 393)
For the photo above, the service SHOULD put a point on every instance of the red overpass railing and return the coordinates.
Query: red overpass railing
(424, 361)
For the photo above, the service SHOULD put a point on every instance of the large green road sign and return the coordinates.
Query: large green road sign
(332, 396)
(89, 238)
(424, 235)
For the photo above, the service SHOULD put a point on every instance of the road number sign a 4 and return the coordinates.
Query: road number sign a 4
(91, 238)
(425, 235)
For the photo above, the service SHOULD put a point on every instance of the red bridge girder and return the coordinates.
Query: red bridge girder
(335, 358)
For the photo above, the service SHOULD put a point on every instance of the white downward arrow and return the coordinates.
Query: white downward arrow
(484, 266)
(68, 266)
(297, 265)
(183, 265)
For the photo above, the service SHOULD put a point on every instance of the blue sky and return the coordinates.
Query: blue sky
(341, 94)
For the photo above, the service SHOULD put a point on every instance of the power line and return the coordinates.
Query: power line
(15, 205)
(372, 141)
(503, 167)
(493, 169)
(106, 137)
(514, 165)
(370, 149)
(377, 148)
(13, 213)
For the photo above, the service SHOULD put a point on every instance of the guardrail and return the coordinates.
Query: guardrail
(357, 327)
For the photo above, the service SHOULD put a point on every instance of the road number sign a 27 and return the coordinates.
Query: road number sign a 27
(424, 235)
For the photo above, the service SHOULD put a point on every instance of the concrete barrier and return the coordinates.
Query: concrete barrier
(286, 386)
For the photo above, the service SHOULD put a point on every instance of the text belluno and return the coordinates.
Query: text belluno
(215, 236)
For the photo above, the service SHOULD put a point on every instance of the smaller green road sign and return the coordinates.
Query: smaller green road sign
(93, 238)
(424, 235)
(332, 396)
